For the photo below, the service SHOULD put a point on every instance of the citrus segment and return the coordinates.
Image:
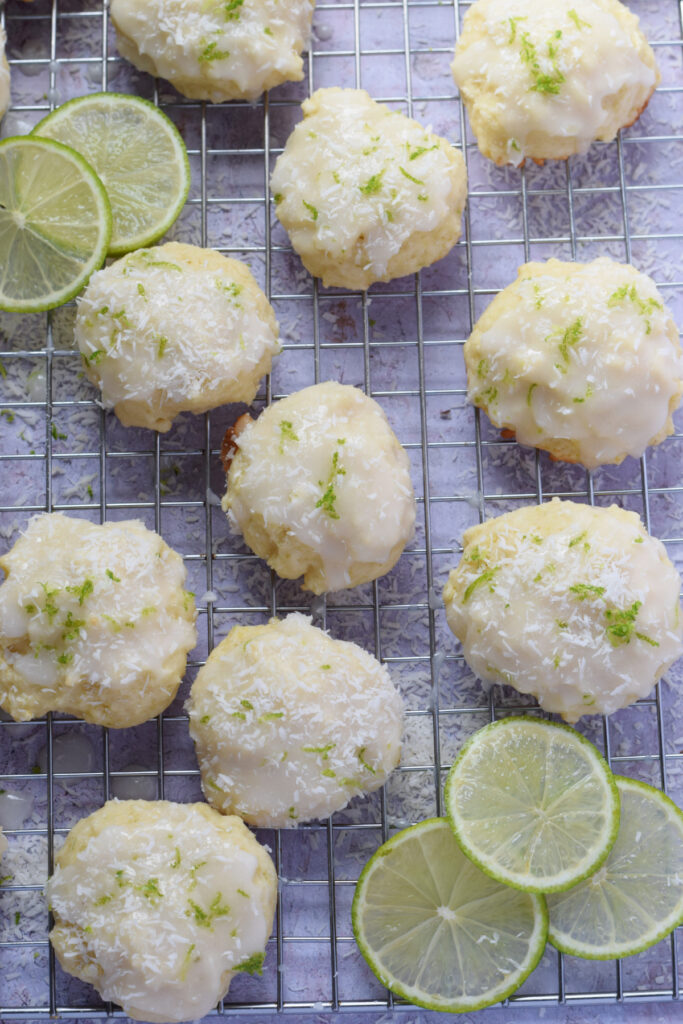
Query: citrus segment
(55, 224)
(139, 155)
(533, 804)
(636, 897)
(436, 930)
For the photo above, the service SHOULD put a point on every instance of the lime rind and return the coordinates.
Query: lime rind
(55, 224)
(418, 906)
(639, 907)
(559, 881)
(148, 198)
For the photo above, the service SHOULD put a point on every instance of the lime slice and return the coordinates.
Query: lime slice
(636, 898)
(436, 930)
(139, 155)
(55, 224)
(533, 803)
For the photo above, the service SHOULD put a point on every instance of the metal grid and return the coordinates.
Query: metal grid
(449, 710)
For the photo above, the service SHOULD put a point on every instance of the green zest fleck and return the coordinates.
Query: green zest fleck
(253, 965)
(17, 916)
(577, 540)
(361, 758)
(577, 20)
(57, 435)
(120, 880)
(211, 52)
(561, 624)
(247, 704)
(243, 893)
(50, 608)
(96, 357)
(582, 591)
(239, 714)
(277, 198)
(141, 289)
(8, 414)
(570, 337)
(103, 900)
(113, 576)
(184, 967)
(621, 625)
(175, 863)
(231, 9)
(204, 719)
(638, 540)
(146, 257)
(372, 186)
(83, 591)
(287, 433)
(193, 872)
(486, 577)
(270, 716)
(482, 368)
(513, 28)
(291, 813)
(419, 150)
(328, 773)
(588, 698)
(66, 658)
(150, 890)
(162, 342)
(205, 918)
(311, 209)
(530, 393)
(544, 82)
(323, 751)
(644, 306)
(417, 181)
(328, 501)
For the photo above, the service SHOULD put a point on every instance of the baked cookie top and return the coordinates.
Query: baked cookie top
(290, 724)
(545, 79)
(94, 621)
(319, 486)
(159, 904)
(581, 359)
(215, 49)
(172, 329)
(574, 604)
(365, 193)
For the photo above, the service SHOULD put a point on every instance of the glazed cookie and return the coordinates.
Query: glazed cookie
(544, 80)
(319, 486)
(94, 622)
(158, 905)
(215, 49)
(174, 329)
(365, 193)
(4, 75)
(581, 359)
(290, 724)
(573, 604)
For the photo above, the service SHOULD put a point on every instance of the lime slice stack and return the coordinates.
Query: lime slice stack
(139, 156)
(636, 898)
(438, 931)
(533, 804)
(55, 224)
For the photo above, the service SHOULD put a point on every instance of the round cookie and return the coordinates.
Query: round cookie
(215, 49)
(544, 80)
(4, 75)
(573, 604)
(174, 329)
(94, 622)
(365, 193)
(581, 359)
(290, 724)
(159, 904)
(319, 486)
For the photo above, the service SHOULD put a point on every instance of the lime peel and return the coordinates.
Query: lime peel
(436, 930)
(642, 876)
(55, 224)
(139, 154)
(533, 803)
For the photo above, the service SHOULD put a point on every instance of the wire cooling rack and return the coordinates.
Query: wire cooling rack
(401, 343)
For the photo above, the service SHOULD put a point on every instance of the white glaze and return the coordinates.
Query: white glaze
(215, 49)
(593, 392)
(601, 75)
(358, 184)
(174, 328)
(116, 657)
(276, 485)
(133, 894)
(290, 724)
(511, 605)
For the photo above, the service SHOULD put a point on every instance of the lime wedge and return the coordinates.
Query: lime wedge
(636, 898)
(139, 155)
(436, 930)
(533, 803)
(55, 224)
